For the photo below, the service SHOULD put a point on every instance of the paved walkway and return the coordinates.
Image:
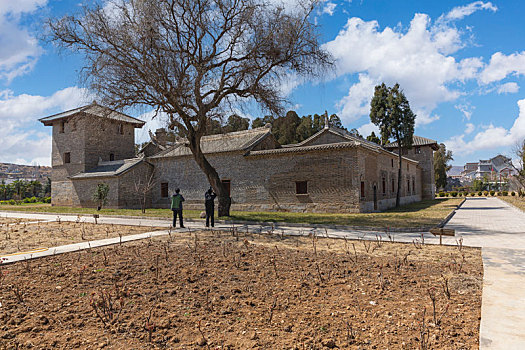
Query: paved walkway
(199, 224)
(481, 222)
(499, 229)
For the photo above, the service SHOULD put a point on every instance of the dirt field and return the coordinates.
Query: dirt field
(230, 291)
(17, 236)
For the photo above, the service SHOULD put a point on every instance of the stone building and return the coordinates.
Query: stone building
(332, 171)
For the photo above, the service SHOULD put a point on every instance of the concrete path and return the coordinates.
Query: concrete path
(499, 229)
(199, 225)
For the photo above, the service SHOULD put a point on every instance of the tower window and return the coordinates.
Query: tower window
(301, 187)
(67, 157)
(392, 162)
(62, 127)
(111, 157)
(164, 190)
(417, 150)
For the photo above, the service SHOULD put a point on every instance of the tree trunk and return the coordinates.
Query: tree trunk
(398, 195)
(213, 178)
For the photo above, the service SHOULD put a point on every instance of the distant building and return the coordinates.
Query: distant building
(332, 171)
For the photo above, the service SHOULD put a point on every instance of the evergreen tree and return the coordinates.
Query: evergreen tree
(441, 166)
(373, 138)
(390, 111)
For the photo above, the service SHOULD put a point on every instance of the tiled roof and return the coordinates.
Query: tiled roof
(304, 148)
(108, 169)
(230, 142)
(96, 110)
(417, 141)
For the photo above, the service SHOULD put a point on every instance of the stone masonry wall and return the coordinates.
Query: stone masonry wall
(86, 138)
(426, 162)
(267, 182)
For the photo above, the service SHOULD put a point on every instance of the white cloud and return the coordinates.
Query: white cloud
(466, 109)
(508, 88)
(418, 59)
(20, 50)
(501, 66)
(329, 8)
(469, 128)
(18, 116)
(357, 102)
(460, 12)
(367, 129)
(491, 137)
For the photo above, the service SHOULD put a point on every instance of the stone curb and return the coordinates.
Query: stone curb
(450, 215)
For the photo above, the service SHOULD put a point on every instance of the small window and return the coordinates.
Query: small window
(408, 186)
(67, 157)
(414, 185)
(408, 168)
(301, 187)
(417, 150)
(121, 129)
(392, 162)
(164, 190)
(362, 189)
(111, 157)
(62, 127)
(393, 185)
(73, 126)
(384, 186)
(227, 184)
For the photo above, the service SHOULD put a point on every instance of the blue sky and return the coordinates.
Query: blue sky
(460, 63)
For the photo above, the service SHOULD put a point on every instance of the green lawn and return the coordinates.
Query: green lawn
(425, 213)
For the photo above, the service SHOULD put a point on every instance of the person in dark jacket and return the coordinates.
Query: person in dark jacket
(176, 207)
(209, 198)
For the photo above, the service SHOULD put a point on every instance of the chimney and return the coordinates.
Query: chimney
(161, 136)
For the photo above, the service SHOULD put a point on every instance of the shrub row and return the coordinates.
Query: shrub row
(473, 194)
(27, 200)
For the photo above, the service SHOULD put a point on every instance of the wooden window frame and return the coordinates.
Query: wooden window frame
(227, 183)
(164, 190)
(301, 188)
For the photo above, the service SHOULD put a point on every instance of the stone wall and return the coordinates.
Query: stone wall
(425, 157)
(86, 138)
(268, 182)
(131, 185)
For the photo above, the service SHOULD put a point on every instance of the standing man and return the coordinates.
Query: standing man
(209, 197)
(176, 207)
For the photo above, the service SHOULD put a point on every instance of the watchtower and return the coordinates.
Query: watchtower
(81, 138)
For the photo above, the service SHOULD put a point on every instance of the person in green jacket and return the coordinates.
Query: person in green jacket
(176, 207)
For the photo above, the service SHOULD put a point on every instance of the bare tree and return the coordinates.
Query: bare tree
(144, 184)
(193, 60)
